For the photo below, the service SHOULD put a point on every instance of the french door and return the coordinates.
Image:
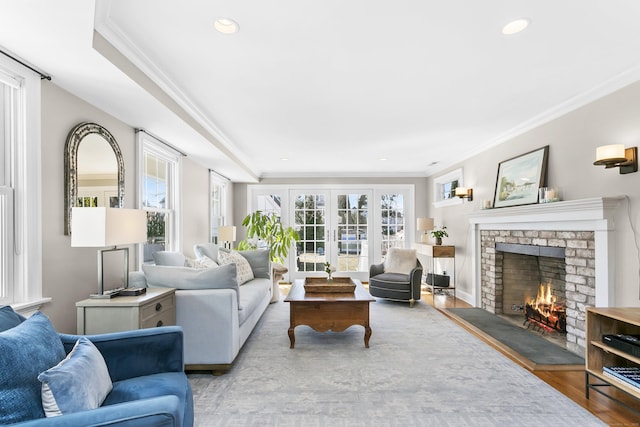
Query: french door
(348, 227)
(333, 228)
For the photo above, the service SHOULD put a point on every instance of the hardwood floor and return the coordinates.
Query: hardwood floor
(569, 383)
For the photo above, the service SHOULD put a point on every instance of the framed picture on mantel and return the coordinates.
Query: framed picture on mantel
(520, 177)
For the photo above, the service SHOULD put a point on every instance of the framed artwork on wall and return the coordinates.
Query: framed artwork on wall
(520, 177)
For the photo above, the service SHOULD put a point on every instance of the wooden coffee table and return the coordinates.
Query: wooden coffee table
(328, 311)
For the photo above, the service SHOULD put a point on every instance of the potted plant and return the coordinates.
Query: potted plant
(268, 229)
(438, 234)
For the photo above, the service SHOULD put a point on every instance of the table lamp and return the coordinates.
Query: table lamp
(108, 227)
(227, 234)
(425, 225)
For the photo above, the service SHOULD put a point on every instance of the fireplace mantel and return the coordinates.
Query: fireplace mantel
(584, 214)
(594, 214)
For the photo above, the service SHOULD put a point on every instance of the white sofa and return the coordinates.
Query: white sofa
(216, 313)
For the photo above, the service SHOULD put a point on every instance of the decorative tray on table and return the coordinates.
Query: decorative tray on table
(323, 285)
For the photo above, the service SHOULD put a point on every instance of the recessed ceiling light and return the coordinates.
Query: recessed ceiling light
(226, 26)
(383, 159)
(284, 159)
(515, 27)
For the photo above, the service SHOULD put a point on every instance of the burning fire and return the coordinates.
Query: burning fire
(545, 304)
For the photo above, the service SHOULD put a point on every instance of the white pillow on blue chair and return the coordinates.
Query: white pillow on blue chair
(79, 382)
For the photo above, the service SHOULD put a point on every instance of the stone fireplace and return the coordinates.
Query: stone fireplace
(580, 232)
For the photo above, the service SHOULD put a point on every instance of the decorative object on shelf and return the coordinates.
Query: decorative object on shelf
(227, 234)
(616, 156)
(268, 229)
(465, 193)
(329, 269)
(548, 195)
(520, 177)
(487, 204)
(438, 234)
(425, 225)
(108, 227)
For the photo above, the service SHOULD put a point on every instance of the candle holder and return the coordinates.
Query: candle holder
(548, 195)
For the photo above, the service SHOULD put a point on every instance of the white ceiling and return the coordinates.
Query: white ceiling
(331, 85)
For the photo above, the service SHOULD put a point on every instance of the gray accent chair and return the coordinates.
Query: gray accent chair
(395, 286)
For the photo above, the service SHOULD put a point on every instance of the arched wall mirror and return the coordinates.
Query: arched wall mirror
(93, 170)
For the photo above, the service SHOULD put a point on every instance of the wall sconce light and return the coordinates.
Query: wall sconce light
(465, 193)
(424, 225)
(615, 155)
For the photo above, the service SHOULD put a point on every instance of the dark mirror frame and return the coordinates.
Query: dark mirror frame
(75, 137)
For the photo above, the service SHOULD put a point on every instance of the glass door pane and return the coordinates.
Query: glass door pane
(352, 231)
(392, 213)
(310, 220)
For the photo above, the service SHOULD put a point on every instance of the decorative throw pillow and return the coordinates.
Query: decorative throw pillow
(245, 273)
(26, 350)
(223, 277)
(175, 259)
(206, 249)
(399, 260)
(80, 382)
(201, 263)
(9, 318)
(259, 261)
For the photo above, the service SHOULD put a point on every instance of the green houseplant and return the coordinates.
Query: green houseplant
(438, 234)
(268, 229)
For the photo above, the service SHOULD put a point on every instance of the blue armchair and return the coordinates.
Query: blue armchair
(150, 387)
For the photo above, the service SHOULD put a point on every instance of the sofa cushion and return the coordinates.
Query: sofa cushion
(162, 384)
(399, 260)
(175, 259)
(395, 281)
(206, 249)
(223, 277)
(9, 318)
(259, 261)
(26, 350)
(201, 263)
(80, 382)
(244, 271)
(251, 295)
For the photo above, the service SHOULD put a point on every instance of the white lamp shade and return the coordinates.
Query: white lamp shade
(610, 152)
(227, 233)
(100, 227)
(425, 224)
(461, 191)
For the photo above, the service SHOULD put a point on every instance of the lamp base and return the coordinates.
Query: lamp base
(424, 238)
(107, 295)
(132, 292)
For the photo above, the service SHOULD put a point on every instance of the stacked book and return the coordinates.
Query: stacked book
(630, 375)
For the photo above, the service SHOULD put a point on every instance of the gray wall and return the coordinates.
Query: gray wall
(572, 141)
(195, 206)
(70, 274)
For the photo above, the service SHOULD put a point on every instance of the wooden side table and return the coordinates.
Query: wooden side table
(436, 252)
(157, 307)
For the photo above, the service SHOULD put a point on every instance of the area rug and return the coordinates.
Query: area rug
(421, 369)
(524, 342)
